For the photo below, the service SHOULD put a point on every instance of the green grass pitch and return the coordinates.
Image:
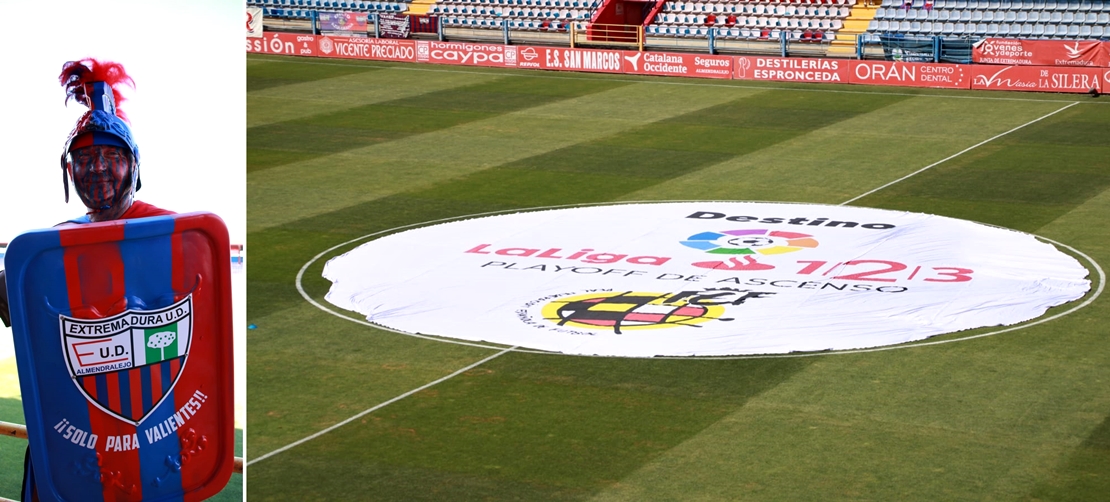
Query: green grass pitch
(342, 149)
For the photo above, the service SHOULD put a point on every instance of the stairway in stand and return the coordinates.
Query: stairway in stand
(844, 45)
(420, 7)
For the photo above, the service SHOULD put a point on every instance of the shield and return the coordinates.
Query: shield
(123, 341)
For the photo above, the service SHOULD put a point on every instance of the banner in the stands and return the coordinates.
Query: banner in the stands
(909, 74)
(378, 49)
(290, 44)
(703, 278)
(1037, 78)
(423, 24)
(391, 25)
(344, 22)
(254, 22)
(907, 49)
(832, 71)
(1008, 51)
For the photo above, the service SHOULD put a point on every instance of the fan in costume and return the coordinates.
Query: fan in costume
(101, 158)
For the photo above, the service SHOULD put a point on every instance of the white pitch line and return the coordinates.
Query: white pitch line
(378, 406)
(957, 154)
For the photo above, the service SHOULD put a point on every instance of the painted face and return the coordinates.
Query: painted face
(100, 175)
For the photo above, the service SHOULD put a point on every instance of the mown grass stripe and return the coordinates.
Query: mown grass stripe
(1084, 226)
(1022, 181)
(957, 154)
(361, 175)
(336, 93)
(613, 166)
(267, 74)
(836, 163)
(360, 126)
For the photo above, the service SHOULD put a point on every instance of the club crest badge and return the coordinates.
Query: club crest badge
(128, 363)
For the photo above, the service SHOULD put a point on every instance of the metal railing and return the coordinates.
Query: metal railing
(920, 49)
(607, 35)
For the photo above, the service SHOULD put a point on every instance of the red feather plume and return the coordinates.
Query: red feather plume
(75, 74)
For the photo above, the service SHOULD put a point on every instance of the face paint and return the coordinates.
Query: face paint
(101, 174)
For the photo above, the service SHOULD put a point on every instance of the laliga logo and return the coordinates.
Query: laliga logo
(747, 243)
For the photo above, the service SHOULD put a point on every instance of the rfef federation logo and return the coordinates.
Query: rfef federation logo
(630, 310)
(128, 363)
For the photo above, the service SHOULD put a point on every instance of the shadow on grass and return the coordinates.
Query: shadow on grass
(1085, 475)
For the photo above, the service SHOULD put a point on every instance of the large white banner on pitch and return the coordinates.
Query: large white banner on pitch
(703, 278)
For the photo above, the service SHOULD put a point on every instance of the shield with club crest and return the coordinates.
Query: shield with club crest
(123, 340)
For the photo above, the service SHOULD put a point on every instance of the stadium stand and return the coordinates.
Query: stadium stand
(1029, 19)
(534, 15)
(799, 20)
(303, 9)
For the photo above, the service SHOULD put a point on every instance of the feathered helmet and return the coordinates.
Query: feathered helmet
(96, 85)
